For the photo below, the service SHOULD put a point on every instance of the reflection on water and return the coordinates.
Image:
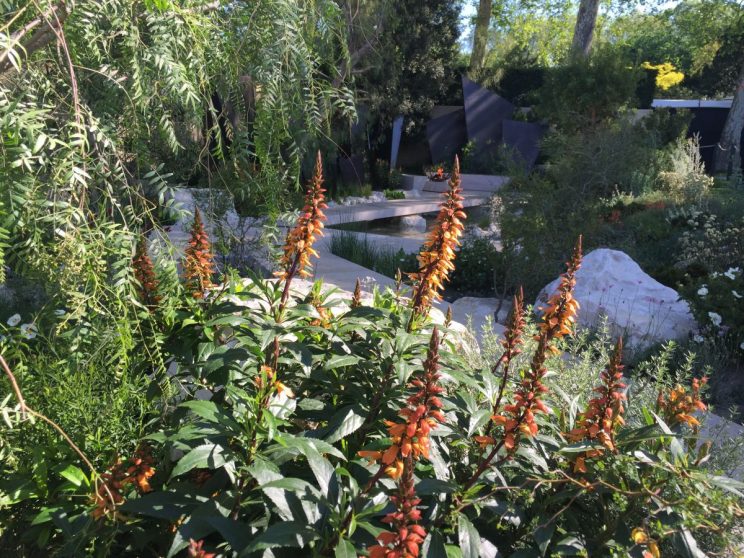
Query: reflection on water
(392, 226)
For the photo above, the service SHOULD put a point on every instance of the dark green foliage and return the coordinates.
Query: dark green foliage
(394, 194)
(244, 473)
(414, 66)
(478, 266)
(587, 91)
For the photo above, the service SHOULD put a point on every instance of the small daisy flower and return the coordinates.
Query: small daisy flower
(29, 331)
(14, 320)
(698, 338)
(702, 291)
(715, 318)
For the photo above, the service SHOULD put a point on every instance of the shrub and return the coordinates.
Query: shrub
(685, 181)
(718, 304)
(394, 194)
(477, 263)
(586, 91)
(335, 427)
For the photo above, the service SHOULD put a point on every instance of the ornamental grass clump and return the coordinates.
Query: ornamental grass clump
(198, 266)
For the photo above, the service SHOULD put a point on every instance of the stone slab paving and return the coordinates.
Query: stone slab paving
(426, 203)
(344, 274)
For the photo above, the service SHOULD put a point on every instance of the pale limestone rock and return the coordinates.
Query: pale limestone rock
(611, 285)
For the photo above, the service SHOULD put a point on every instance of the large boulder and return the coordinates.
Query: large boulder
(611, 286)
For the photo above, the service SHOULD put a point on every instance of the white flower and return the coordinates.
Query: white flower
(742, 346)
(736, 295)
(715, 318)
(698, 338)
(28, 330)
(702, 291)
(59, 312)
(14, 320)
(731, 272)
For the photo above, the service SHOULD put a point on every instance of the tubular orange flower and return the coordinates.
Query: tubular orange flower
(437, 256)
(299, 245)
(410, 442)
(641, 538)
(677, 407)
(604, 413)
(411, 436)
(557, 321)
(356, 299)
(144, 273)
(560, 313)
(196, 550)
(511, 342)
(406, 536)
(140, 470)
(198, 264)
(137, 471)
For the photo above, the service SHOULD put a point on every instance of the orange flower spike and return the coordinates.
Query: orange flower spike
(406, 535)
(438, 253)
(604, 412)
(677, 407)
(144, 273)
(298, 247)
(557, 320)
(410, 443)
(356, 299)
(198, 259)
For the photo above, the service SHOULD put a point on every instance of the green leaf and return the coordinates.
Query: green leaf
(164, 505)
(729, 484)
(542, 536)
(468, 537)
(433, 546)
(345, 422)
(288, 483)
(287, 534)
(209, 411)
(345, 549)
(236, 533)
(204, 456)
(686, 545)
(339, 361)
(75, 475)
(478, 419)
(434, 486)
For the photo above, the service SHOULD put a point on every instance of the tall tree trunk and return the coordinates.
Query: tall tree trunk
(728, 153)
(586, 21)
(480, 37)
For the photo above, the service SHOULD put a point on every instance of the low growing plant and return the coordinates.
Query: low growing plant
(314, 423)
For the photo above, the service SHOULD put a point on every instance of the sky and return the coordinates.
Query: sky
(469, 9)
